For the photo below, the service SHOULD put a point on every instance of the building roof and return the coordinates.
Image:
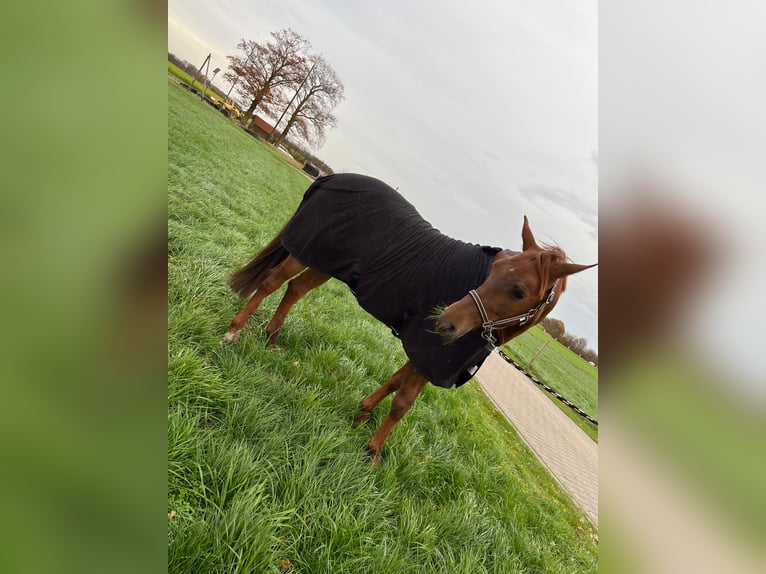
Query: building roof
(262, 124)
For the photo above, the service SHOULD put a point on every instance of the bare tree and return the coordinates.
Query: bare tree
(269, 67)
(578, 345)
(309, 111)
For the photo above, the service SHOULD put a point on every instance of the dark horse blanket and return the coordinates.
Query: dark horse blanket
(361, 231)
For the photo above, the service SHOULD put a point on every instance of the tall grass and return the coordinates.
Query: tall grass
(265, 470)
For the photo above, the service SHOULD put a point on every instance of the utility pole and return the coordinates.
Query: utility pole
(194, 79)
(295, 95)
(211, 81)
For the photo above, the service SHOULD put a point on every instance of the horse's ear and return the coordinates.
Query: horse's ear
(528, 240)
(564, 269)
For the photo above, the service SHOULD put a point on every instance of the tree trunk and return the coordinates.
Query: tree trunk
(283, 135)
(250, 111)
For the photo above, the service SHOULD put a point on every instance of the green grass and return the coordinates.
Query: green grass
(264, 464)
(562, 370)
(186, 78)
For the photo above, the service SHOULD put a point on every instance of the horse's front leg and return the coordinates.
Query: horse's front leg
(409, 389)
(391, 385)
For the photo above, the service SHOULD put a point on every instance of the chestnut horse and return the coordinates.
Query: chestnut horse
(448, 301)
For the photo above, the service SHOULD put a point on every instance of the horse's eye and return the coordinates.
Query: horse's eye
(518, 293)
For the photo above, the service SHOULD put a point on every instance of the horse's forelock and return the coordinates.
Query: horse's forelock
(548, 255)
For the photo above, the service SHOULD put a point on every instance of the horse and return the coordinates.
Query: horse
(450, 302)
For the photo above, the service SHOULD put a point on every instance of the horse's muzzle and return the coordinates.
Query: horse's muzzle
(446, 330)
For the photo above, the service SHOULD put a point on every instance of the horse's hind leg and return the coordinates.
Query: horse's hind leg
(411, 384)
(290, 267)
(296, 289)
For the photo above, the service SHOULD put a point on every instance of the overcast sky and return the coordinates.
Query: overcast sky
(479, 113)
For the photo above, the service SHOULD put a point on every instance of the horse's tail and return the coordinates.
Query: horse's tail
(249, 278)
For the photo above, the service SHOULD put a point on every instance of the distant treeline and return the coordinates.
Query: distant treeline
(555, 328)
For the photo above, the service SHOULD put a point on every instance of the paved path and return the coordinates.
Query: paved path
(569, 454)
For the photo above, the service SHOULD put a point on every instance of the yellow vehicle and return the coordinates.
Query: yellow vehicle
(230, 110)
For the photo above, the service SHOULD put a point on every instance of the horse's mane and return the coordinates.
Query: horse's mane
(548, 255)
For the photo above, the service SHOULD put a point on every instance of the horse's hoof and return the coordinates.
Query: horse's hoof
(231, 338)
(271, 339)
(361, 419)
(374, 457)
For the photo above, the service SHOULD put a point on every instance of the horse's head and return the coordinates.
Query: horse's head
(521, 289)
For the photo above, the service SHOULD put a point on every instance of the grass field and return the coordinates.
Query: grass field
(561, 369)
(186, 78)
(265, 470)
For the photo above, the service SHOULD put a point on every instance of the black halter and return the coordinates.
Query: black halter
(489, 326)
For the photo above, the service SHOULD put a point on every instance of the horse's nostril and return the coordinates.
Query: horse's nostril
(445, 327)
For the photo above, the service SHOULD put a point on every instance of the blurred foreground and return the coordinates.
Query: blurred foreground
(683, 436)
(683, 381)
(83, 306)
